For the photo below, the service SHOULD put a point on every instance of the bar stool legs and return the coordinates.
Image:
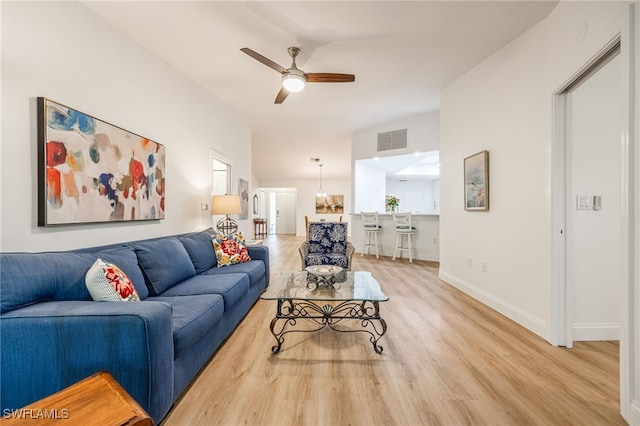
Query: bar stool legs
(405, 232)
(368, 235)
(370, 229)
(400, 244)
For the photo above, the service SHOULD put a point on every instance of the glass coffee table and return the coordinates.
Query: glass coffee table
(347, 297)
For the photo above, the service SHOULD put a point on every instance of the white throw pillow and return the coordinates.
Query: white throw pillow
(107, 283)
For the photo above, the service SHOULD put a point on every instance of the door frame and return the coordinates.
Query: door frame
(626, 33)
(563, 293)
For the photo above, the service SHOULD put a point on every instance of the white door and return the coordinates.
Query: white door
(285, 212)
(593, 126)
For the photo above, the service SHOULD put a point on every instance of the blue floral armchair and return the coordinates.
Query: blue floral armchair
(327, 245)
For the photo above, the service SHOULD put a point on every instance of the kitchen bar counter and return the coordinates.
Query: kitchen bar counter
(427, 235)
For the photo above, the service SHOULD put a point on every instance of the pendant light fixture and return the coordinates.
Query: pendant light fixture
(320, 192)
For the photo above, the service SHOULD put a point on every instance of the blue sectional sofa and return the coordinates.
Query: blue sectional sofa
(52, 334)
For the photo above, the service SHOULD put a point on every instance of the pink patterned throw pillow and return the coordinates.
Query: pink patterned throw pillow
(107, 283)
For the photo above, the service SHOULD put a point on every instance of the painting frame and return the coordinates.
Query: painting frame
(329, 204)
(243, 192)
(476, 182)
(91, 171)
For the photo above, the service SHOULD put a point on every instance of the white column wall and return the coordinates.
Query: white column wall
(371, 184)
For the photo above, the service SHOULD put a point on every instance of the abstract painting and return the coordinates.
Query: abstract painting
(243, 191)
(90, 171)
(476, 181)
(330, 204)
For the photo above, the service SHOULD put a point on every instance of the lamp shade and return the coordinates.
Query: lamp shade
(225, 204)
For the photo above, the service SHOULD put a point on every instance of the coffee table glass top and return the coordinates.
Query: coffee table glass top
(349, 285)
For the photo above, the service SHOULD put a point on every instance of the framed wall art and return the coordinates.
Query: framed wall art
(330, 204)
(476, 181)
(243, 191)
(90, 171)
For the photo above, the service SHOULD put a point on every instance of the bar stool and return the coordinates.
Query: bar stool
(370, 229)
(404, 233)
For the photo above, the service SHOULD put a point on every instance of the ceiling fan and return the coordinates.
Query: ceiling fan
(293, 78)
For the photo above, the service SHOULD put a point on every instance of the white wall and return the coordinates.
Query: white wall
(62, 51)
(306, 199)
(422, 135)
(504, 105)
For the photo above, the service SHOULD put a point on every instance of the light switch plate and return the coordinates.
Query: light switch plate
(584, 202)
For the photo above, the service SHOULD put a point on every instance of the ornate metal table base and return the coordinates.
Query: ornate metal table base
(289, 311)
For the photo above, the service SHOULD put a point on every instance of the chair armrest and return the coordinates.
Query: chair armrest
(349, 253)
(48, 346)
(304, 252)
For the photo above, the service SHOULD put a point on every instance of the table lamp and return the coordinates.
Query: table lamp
(226, 205)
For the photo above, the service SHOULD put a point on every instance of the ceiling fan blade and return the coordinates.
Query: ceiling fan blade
(281, 96)
(328, 77)
(268, 62)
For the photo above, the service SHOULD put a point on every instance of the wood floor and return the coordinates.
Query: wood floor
(447, 360)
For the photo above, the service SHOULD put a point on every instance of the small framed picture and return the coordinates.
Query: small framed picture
(476, 181)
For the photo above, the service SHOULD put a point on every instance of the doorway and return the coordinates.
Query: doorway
(588, 155)
(282, 211)
(594, 123)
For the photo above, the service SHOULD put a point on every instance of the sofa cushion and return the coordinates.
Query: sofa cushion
(192, 317)
(200, 249)
(255, 269)
(107, 283)
(165, 262)
(230, 250)
(232, 287)
(29, 278)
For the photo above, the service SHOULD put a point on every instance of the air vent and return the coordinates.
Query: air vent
(396, 139)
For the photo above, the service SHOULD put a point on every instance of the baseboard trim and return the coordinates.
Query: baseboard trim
(528, 321)
(594, 332)
(635, 408)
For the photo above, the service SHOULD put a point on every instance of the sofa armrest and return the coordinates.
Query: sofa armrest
(49, 346)
(260, 253)
(304, 252)
(349, 253)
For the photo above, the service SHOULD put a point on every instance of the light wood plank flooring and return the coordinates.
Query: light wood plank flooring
(447, 360)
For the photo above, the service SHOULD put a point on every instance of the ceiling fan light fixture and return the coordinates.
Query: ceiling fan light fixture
(293, 81)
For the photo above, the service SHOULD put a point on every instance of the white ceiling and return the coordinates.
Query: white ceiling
(402, 53)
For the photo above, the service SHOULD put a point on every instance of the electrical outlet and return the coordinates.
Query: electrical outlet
(435, 241)
(484, 266)
(204, 207)
(470, 262)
